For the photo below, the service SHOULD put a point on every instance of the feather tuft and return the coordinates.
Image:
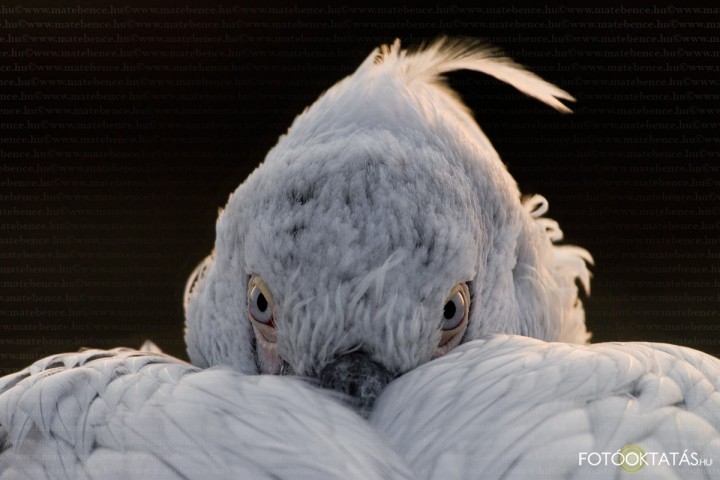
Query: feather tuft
(428, 64)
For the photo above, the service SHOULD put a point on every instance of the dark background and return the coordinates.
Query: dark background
(123, 132)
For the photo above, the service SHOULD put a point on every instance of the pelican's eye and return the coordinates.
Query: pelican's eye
(261, 312)
(260, 306)
(454, 319)
(454, 311)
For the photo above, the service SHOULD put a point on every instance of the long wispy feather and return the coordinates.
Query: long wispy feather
(427, 64)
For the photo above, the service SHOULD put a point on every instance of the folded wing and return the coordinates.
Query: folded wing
(516, 407)
(129, 414)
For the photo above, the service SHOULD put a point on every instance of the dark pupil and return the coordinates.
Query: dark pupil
(449, 311)
(261, 302)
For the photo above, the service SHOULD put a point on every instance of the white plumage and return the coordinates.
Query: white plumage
(381, 250)
(500, 407)
(382, 196)
(128, 414)
(517, 407)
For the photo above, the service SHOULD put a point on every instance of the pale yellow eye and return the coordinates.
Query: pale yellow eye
(454, 317)
(260, 307)
(454, 311)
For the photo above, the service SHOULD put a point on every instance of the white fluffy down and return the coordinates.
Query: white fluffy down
(382, 196)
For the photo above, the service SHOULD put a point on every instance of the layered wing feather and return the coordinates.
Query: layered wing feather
(501, 407)
(515, 407)
(128, 414)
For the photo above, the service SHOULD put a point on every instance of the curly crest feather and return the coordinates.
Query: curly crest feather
(446, 55)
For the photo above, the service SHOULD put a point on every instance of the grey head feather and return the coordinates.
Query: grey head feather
(382, 196)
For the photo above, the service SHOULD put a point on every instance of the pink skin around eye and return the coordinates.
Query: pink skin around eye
(452, 343)
(457, 333)
(269, 361)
